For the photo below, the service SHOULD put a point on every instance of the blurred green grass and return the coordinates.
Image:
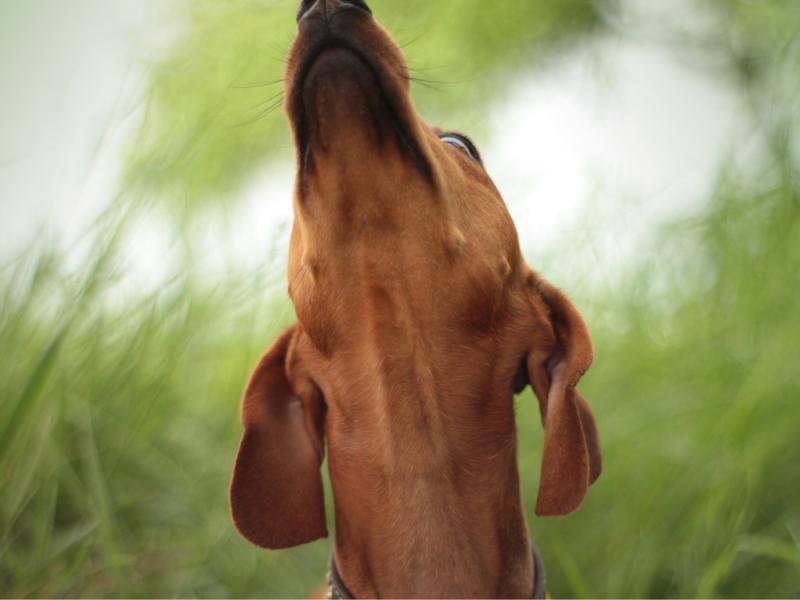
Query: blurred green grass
(119, 427)
(120, 423)
(119, 412)
(696, 384)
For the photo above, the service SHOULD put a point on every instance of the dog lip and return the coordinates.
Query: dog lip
(297, 111)
(317, 54)
(298, 84)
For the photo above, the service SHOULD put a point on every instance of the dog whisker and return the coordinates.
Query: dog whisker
(413, 40)
(429, 68)
(269, 100)
(280, 52)
(257, 84)
(426, 84)
(264, 113)
(438, 81)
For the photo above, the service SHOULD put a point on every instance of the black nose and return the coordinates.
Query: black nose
(307, 5)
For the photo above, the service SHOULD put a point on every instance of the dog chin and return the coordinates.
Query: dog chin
(342, 97)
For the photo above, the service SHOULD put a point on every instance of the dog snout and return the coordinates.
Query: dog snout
(325, 8)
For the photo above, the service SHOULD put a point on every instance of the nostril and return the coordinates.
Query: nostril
(359, 3)
(305, 6)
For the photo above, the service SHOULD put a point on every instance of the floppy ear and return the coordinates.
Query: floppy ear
(571, 459)
(276, 492)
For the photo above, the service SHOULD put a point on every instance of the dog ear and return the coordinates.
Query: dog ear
(276, 493)
(571, 459)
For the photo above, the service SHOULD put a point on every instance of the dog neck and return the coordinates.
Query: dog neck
(423, 459)
(338, 590)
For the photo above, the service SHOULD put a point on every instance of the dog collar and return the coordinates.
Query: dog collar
(337, 590)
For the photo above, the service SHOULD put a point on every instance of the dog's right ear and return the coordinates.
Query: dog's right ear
(276, 492)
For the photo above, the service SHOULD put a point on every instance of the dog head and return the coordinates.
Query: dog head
(369, 168)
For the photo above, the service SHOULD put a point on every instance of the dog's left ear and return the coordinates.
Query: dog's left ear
(571, 459)
(276, 492)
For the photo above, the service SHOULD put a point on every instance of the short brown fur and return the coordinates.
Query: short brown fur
(418, 319)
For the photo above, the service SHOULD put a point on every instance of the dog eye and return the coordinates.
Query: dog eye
(463, 144)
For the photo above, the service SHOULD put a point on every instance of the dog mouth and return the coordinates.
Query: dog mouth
(335, 77)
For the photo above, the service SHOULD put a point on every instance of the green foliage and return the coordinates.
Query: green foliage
(215, 102)
(119, 412)
(119, 425)
(763, 41)
(695, 387)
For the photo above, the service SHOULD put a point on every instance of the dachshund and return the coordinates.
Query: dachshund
(418, 321)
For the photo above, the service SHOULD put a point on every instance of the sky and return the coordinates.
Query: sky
(617, 137)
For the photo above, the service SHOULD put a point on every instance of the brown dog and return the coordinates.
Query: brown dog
(418, 320)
